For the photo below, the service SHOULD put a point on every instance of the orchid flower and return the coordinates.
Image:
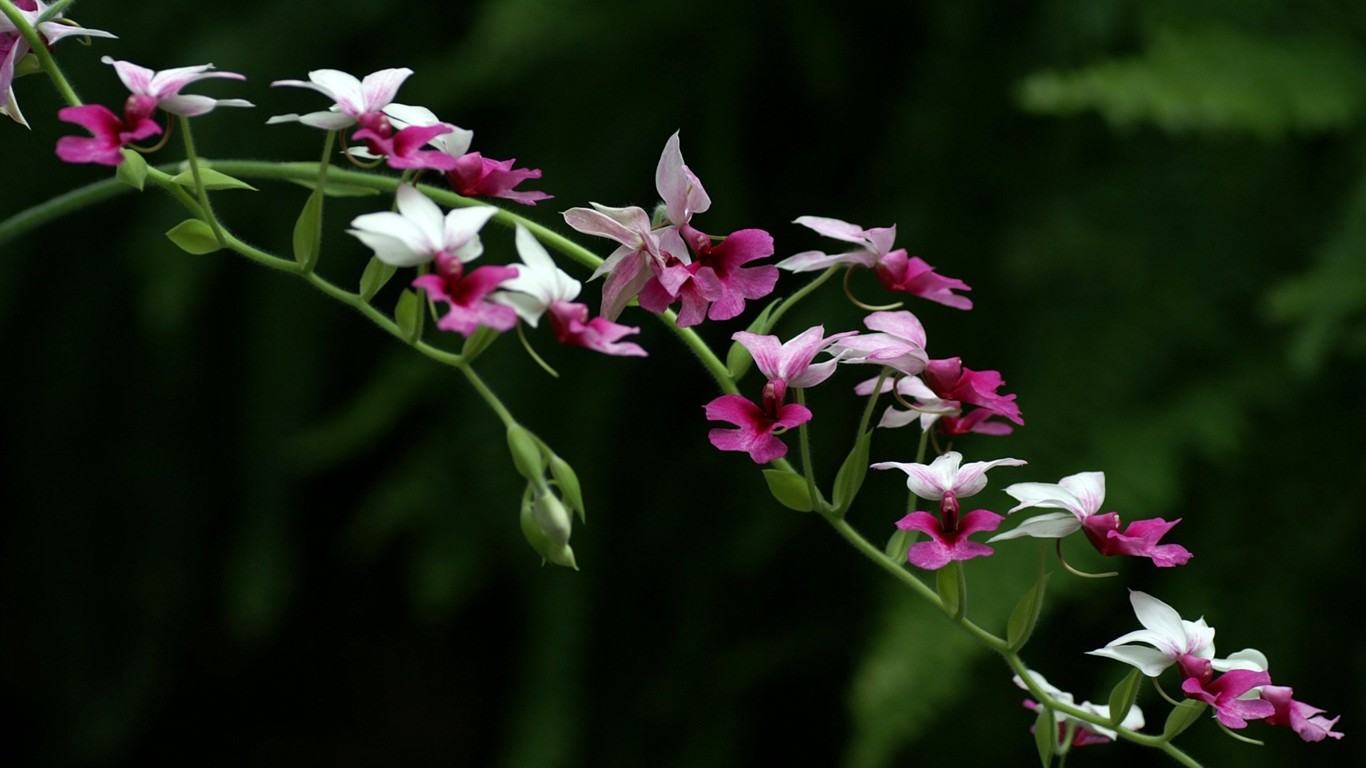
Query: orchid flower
(950, 380)
(893, 268)
(110, 133)
(758, 425)
(469, 173)
(354, 98)
(466, 295)
(1306, 720)
(641, 255)
(13, 46)
(948, 535)
(898, 343)
(1084, 733)
(542, 287)
(718, 281)
(1082, 495)
(647, 252)
(418, 233)
(1227, 693)
(791, 361)
(1172, 638)
(947, 476)
(161, 90)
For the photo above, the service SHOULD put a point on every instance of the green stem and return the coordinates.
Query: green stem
(38, 47)
(201, 193)
(880, 559)
(804, 441)
(489, 397)
(1071, 710)
(801, 293)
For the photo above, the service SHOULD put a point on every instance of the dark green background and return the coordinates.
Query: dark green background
(241, 526)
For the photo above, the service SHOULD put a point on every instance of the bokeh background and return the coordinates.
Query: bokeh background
(243, 527)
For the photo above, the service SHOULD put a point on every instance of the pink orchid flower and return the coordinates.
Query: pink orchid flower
(718, 282)
(466, 295)
(540, 287)
(354, 98)
(759, 425)
(898, 342)
(162, 89)
(1226, 693)
(1082, 495)
(648, 252)
(641, 256)
(950, 380)
(110, 133)
(893, 268)
(1306, 720)
(791, 362)
(469, 173)
(948, 535)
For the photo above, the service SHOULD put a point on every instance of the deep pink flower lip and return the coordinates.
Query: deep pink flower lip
(110, 134)
(948, 542)
(758, 424)
(1225, 693)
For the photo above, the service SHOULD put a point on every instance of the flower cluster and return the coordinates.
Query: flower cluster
(1240, 693)
(148, 92)
(419, 235)
(661, 261)
(668, 261)
(400, 133)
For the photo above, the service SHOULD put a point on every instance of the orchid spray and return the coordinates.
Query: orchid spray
(431, 271)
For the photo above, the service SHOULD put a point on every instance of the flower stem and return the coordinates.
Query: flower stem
(201, 193)
(1157, 742)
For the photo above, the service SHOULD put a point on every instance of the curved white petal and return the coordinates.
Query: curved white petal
(1050, 525)
(1045, 495)
(1149, 661)
(462, 226)
(1088, 488)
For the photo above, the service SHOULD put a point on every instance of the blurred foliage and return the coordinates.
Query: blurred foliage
(241, 527)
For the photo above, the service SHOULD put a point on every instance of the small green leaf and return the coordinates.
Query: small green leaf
(376, 274)
(212, 180)
(133, 170)
(338, 189)
(193, 236)
(477, 342)
(898, 544)
(307, 231)
(1045, 735)
(789, 488)
(408, 316)
(568, 482)
(946, 584)
(1026, 614)
(1123, 695)
(1181, 718)
(850, 476)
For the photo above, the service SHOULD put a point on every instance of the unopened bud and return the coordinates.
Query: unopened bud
(527, 456)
